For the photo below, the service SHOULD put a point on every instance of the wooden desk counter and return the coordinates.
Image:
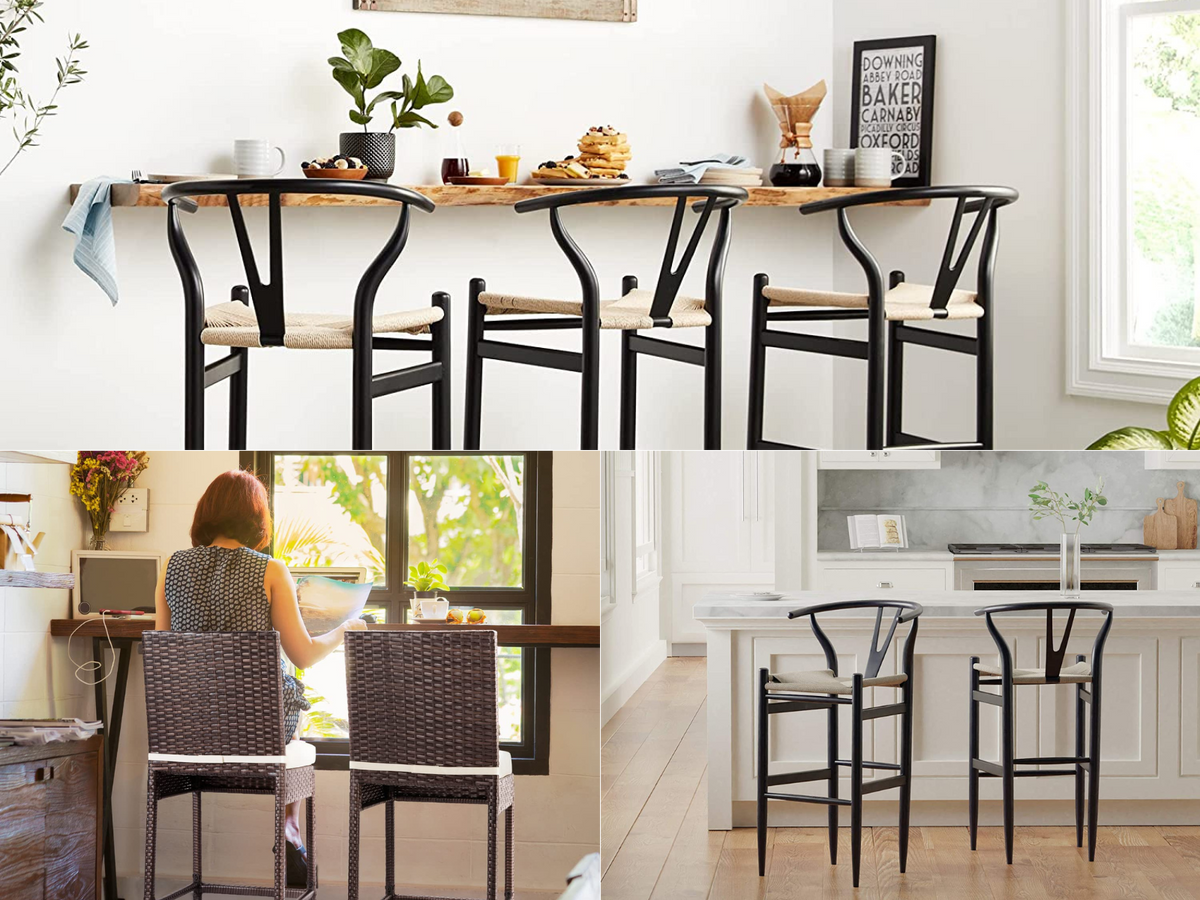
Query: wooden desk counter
(506, 635)
(149, 195)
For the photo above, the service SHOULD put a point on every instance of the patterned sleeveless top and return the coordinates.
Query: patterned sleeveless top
(222, 589)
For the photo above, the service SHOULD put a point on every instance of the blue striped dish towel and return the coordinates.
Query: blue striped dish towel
(90, 220)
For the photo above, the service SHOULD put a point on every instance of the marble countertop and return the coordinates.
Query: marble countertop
(722, 609)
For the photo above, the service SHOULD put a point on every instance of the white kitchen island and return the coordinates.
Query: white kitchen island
(1150, 743)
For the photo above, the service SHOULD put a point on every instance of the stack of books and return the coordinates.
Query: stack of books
(740, 176)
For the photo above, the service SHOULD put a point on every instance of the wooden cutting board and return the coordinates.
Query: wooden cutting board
(1160, 530)
(1184, 509)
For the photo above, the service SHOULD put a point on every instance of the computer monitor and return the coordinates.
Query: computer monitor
(114, 579)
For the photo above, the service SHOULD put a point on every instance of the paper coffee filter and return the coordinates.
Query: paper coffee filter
(795, 112)
(326, 603)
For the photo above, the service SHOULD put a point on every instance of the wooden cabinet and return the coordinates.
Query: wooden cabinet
(50, 821)
(722, 529)
(879, 459)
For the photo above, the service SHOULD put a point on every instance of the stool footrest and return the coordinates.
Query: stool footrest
(985, 697)
(1050, 760)
(799, 777)
(405, 379)
(815, 343)
(543, 357)
(684, 353)
(879, 712)
(870, 764)
(988, 768)
(883, 784)
(803, 798)
(808, 698)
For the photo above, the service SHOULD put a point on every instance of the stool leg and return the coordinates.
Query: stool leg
(906, 771)
(352, 843)
(280, 840)
(712, 383)
(1007, 740)
(1079, 745)
(474, 393)
(491, 875)
(832, 754)
(389, 850)
(440, 334)
(628, 377)
(361, 395)
(764, 732)
(895, 384)
(197, 877)
(193, 394)
(876, 378)
(310, 844)
(1094, 766)
(973, 754)
(508, 853)
(856, 775)
(151, 836)
(589, 405)
(758, 365)
(984, 377)
(239, 384)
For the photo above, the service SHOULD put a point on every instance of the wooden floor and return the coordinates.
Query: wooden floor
(656, 845)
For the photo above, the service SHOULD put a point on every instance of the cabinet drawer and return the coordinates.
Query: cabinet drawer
(1178, 578)
(870, 578)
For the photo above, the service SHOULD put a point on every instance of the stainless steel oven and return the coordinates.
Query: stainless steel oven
(1026, 573)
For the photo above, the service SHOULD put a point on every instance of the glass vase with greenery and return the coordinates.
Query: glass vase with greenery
(1047, 504)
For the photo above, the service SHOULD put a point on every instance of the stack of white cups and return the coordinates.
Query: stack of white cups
(839, 168)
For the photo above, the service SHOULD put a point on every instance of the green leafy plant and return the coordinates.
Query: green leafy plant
(427, 576)
(1047, 504)
(1182, 433)
(363, 67)
(15, 17)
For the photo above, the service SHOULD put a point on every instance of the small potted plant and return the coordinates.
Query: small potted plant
(363, 67)
(426, 580)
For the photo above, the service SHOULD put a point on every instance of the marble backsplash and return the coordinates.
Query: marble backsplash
(978, 496)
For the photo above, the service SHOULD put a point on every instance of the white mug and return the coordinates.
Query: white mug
(435, 609)
(252, 158)
(873, 166)
(839, 168)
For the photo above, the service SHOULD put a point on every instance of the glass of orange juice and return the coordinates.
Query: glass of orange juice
(508, 160)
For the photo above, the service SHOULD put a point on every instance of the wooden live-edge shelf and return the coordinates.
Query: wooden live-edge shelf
(18, 578)
(507, 635)
(150, 195)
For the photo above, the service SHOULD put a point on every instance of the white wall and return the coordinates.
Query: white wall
(173, 98)
(1000, 119)
(557, 816)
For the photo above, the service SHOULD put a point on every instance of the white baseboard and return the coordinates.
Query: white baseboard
(684, 648)
(631, 679)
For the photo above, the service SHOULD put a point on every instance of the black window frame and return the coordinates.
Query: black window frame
(532, 755)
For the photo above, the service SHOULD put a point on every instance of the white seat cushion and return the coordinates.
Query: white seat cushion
(904, 303)
(1079, 673)
(234, 324)
(630, 313)
(297, 755)
(503, 768)
(825, 682)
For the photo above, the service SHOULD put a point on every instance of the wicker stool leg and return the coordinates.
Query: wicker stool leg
(508, 853)
(310, 830)
(280, 840)
(389, 848)
(492, 813)
(355, 817)
(151, 834)
(197, 877)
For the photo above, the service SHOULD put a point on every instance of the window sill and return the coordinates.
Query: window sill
(1133, 381)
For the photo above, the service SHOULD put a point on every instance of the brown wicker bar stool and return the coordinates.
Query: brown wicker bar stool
(424, 728)
(214, 721)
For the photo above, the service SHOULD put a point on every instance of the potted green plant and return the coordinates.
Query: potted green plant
(1182, 432)
(363, 67)
(426, 580)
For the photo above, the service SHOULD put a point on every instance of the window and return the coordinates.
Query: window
(645, 512)
(1136, 198)
(608, 541)
(486, 517)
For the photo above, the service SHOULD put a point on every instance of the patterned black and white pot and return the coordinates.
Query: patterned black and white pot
(375, 148)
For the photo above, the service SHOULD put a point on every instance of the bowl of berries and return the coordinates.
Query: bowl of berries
(339, 166)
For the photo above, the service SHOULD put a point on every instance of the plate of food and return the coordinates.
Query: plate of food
(603, 153)
(350, 167)
(580, 182)
(474, 616)
(757, 595)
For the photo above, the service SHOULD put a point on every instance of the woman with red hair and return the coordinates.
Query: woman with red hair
(226, 583)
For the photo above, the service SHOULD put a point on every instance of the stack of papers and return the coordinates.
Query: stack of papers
(716, 169)
(45, 731)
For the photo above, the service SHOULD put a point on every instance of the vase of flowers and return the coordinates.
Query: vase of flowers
(1047, 504)
(98, 479)
(363, 67)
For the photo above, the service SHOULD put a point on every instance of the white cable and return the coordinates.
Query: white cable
(91, 665)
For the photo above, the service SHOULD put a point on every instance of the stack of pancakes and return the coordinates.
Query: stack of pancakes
(603, 153)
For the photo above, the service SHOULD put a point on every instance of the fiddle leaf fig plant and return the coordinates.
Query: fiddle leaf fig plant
(1047, 504)
(363, 67)
(1182, 432)
(427, 577)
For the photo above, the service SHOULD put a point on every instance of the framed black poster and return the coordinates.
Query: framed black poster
(893, 103)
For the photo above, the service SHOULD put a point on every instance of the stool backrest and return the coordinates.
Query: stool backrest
(1055, 649)
(977, 201)
(900, 611)
(423, 698)
(719, 198)
(214, 693)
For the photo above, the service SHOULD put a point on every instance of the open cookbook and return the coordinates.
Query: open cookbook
(886, 532)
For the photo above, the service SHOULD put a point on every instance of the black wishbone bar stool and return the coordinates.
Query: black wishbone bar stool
(785, 692)
(888, 311)
(255, 317)
(1083, 674)
(637, 310)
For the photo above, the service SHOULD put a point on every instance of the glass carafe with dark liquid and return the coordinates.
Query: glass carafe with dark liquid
(454, 163)
(796, 168)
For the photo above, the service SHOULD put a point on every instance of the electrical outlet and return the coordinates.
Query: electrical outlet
(131, 511)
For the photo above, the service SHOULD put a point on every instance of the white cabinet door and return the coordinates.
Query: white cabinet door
(1173, 459)
(879, 459)
(1172, 577)
(881, 576)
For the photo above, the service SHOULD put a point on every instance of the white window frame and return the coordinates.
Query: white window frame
(608, 534)
(1100, 363)
(645, 496)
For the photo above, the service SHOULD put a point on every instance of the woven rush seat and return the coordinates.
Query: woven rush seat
(1079, 673)
(630, 313)
(904, 303)
(234, 324)
(825, 682)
